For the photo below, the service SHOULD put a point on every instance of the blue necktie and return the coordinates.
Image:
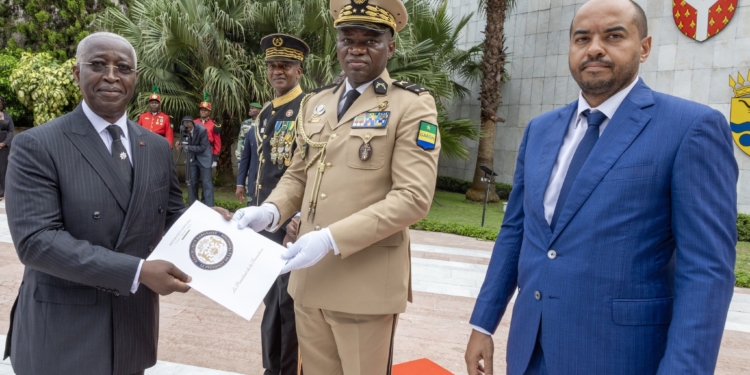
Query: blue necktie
(579, 158)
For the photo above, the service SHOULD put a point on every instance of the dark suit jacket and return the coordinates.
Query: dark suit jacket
(247, 168)
(81, 234)
(642, 271)
(199, 147)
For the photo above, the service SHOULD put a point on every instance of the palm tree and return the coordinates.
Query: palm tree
(187, 47)
(493, 76)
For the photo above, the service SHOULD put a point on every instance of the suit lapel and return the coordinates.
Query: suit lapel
(624, 127)
(549, 152)
(140, 176)
(89, 143)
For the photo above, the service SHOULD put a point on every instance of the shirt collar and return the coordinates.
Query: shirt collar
(610, 106)
(361, 88)
(101, 124)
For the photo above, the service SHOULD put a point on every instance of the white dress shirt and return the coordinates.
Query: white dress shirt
(576, 130)
(349, 87)
(100, 125)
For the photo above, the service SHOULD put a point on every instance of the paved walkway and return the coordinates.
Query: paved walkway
(197, 336)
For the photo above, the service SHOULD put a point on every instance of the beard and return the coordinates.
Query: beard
(622, 75)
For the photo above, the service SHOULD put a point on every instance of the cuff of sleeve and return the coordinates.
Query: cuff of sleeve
(134, 288)
(481, 330)
(333, 242)
(274, 226)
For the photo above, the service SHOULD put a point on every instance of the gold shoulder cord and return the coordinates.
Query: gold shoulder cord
(320, 157)
(259, 151)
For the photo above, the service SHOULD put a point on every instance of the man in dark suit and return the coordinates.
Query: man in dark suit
(199, 154)
(620, 231)
(247, 167)
(91, 195)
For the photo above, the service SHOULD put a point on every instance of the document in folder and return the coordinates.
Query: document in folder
(234, 267)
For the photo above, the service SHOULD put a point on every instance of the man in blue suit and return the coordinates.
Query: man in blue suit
(620, 231)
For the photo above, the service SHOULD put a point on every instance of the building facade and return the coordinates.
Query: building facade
(537, 39)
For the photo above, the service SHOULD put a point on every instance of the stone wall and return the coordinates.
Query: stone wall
(537, 41)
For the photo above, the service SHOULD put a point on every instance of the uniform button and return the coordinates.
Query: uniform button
(317, 227)
(150, 249)
(329, 165)
(260, 186)
(161, 209)
(97, 215)
(116, 293)
(265, 136)
(552, 254)
(262, 161)
(333, 136)
(323, 196)
(537, 295)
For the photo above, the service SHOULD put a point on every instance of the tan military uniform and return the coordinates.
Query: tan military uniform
(368, 205)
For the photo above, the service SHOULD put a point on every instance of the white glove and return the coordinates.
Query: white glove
(257, 218)
(213, 165)
(308, 250)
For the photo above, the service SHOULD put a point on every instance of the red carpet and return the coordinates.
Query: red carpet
(419, 367)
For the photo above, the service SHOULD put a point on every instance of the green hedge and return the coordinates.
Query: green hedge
(457, 185)
(453, 228)
(229, 205)
(743, 279)
(743, 227)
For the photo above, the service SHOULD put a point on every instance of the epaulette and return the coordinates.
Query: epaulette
(413, 87)
(319, 89)
(217, 128)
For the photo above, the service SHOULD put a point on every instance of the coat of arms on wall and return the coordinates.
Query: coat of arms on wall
(702, 19)
(739, 114)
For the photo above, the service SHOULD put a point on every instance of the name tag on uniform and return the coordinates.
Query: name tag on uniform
(427, 136)
(371, 120)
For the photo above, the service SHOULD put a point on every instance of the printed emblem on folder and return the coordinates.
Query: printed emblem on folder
(371, 120)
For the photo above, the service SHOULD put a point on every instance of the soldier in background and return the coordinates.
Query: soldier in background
(156, 120)
(247, 169)
(214, 129)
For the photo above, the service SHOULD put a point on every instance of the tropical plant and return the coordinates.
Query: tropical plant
(22, 117)
(44, 86)
(54, 26)
(493, 76)
(187, 47)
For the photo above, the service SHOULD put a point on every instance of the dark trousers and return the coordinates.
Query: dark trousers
(3, 167)
(198, 171)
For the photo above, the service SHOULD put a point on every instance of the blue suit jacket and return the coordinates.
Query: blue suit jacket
(645, 244)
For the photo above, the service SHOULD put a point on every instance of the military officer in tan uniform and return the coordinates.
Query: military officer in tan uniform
(364, 170)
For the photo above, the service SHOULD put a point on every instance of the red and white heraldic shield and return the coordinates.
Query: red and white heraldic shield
(702, 19)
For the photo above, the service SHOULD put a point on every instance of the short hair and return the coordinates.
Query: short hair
(640, 21)
(83, 46)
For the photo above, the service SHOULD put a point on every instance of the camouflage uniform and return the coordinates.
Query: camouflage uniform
(244, 128)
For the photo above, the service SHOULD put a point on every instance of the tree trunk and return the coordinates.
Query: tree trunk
(224, 172)
(493, 73)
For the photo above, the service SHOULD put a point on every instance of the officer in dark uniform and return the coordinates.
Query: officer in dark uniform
(275, 135)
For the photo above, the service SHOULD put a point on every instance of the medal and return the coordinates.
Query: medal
(319, 110)
(365, 151)
(289, 113)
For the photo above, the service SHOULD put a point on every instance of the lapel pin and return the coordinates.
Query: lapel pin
(143, 143)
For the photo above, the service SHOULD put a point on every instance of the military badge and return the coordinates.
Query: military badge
(365, 151)
(211, 250)
(289, 113)
(427, 136)
(319, 110)
(702, 19)
(739, 114)
(371, 120)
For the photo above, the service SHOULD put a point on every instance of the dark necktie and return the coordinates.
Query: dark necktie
(350, 96)
(579, 158)
(120, 156)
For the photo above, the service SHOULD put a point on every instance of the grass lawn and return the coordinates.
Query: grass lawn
(454, 208)
(742, 269)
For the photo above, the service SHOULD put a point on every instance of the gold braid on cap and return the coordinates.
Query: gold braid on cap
(284, 52)
(371, 13)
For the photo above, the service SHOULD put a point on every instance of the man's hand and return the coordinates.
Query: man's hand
(480, 348)
(256, 218)
(307, 251)
(291, 231)
(163, 277)
(179, 145)
(224, 212)
(213, 165)
(240, 193)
